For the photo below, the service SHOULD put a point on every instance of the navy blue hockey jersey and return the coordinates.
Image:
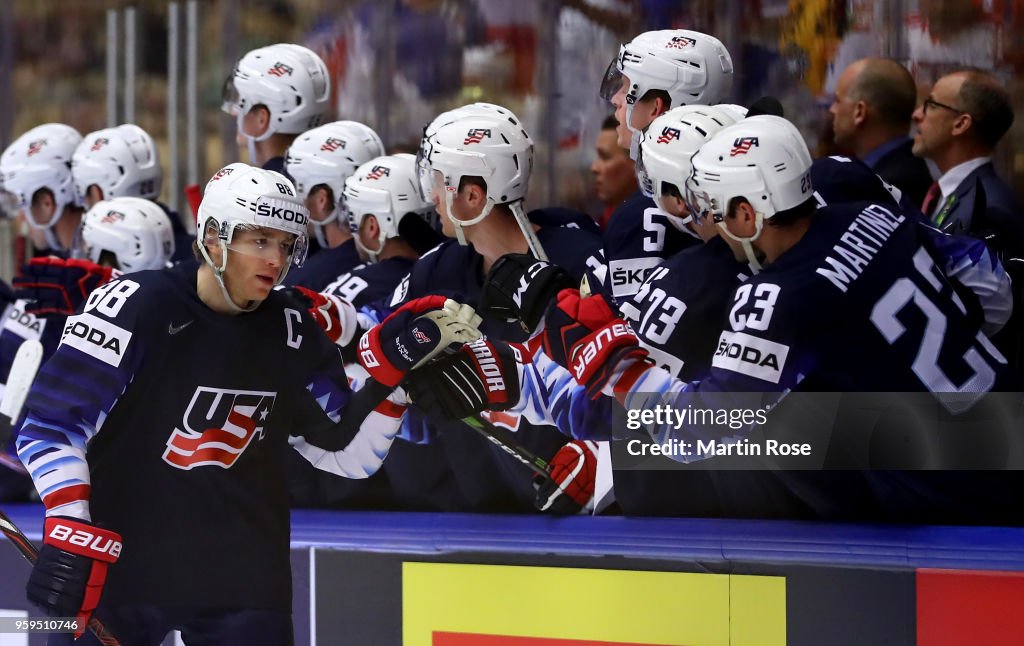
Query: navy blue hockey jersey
(169, 423)
(638, 238)
(324, 266)
(422, 474)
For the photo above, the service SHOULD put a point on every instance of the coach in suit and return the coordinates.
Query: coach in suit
(875, 98)
(958, 127)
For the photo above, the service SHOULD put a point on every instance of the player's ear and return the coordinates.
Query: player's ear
(258, 120)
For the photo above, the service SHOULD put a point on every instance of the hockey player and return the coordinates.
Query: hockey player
(656, 71)
(37, 169)
(387, 214)
(275, 93)
(124, 162)
(320, 160)
(477, 168)
(838, 290)
(118, 236)
(129, 439)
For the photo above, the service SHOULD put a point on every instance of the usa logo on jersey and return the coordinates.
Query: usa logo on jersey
(280, 69)
(667, 135)
(743, 145)
(218, 426)
(332, 144)
(476, 135)
(378, 171)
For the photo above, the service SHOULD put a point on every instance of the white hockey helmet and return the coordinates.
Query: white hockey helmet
(763, 159)
(38, 159)
(243, 196)
(290, 80)
(690, 66)
(329, 154)
(137, 231)
(121, 161)
(669, 143)
(387, 188)
(480, 109)
(495, 148)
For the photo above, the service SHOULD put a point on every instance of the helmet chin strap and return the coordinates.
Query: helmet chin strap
(748, 248)
(449, 199)
(218, 273)
(250, 140)
(318, 226)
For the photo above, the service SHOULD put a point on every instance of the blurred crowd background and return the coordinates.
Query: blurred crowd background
(397, 63)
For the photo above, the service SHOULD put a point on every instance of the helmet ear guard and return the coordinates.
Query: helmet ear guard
(763, 159)
(387, 188)
(41, 159)
(290, 80)
(121, 161)
(137, 231)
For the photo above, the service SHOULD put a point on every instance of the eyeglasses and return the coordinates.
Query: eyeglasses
(930, 103)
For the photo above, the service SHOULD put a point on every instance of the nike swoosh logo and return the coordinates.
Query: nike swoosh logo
(174, 329)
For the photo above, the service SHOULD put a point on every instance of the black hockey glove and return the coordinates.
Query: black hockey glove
(520, 288)
(482, 375)
(67, 579)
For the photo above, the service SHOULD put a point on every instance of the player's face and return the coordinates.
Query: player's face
(614, 177)
(257, 260)
(937, 117)
(842, 108)
(93, 195)
(318, 202)
(619, 101)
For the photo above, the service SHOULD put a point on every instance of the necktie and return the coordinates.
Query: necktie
(931, 198)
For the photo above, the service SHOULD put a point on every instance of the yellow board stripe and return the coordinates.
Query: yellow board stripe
(672, 608)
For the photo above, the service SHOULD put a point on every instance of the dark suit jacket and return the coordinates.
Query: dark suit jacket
(907, 172)
(984, 206)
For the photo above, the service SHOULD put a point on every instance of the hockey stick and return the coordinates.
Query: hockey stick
(19, 381)
(29, 551)
(505, 440)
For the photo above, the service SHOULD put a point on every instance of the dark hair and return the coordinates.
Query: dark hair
(888, 88)
(38, 195)
(330, 195)
(472, 180)
(610, 123)
(989, 105)
(787, 217)
(651, 95)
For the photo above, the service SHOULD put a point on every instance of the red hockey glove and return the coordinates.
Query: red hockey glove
(573, 474)
(482, 375)
(57, 286)
(413, 334)
(325, 310)
(67, 579)
(587, 337)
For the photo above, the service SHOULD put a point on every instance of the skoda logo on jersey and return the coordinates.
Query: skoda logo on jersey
(218, 426)
(476, 135)
(36, 146)
(667, 135)
(378, 171)
(279, 69)
(96, 337)
(332, 144)
(680, 42)
(743, 145)
(99, 143)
